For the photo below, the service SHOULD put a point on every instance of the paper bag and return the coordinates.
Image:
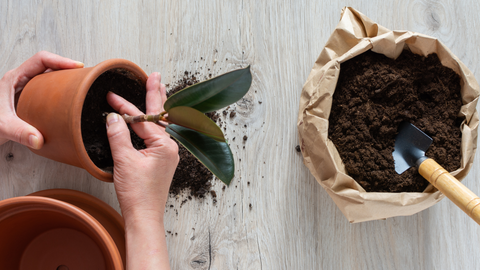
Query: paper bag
(354, 35)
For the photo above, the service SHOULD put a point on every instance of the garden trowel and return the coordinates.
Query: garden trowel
(410, 147)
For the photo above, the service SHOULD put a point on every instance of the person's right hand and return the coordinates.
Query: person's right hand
(142, 178)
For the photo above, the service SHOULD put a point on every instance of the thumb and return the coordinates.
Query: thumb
(118, 136)
(22, 132)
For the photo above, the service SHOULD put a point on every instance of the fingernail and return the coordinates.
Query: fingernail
(157, 75)
(34, 142)
(79, 64)
(111, 118)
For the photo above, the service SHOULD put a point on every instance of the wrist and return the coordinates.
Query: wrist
(150, 216)
(141, 208)
(145, 241)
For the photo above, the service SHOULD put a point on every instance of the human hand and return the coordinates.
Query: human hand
(11, 127)
(142, 178)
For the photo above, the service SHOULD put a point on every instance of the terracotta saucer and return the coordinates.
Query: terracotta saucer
(60, 229)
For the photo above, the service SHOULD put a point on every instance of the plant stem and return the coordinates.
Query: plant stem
(145, 118)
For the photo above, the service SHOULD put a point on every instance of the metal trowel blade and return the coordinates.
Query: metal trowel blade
(410, 146)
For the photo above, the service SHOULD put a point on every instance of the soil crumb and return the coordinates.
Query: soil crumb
(94, 133)
(374, 94)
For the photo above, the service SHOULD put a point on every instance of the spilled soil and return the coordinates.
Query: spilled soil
(190, 176)
(374, 94)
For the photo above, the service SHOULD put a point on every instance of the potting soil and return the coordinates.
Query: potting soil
(94, 132)
(374, 94)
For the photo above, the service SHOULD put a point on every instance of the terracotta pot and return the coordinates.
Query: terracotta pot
(52, 102)
(59, 229)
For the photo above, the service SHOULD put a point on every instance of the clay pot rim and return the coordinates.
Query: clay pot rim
(81, 197)
(12, 206)
(83, 89)
(111, 220)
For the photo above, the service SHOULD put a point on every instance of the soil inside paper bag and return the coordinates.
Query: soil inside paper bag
(374, 94)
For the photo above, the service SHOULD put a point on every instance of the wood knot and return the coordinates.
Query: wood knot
(198, 263)
(433, 21)
(9, 157)
(246, 106)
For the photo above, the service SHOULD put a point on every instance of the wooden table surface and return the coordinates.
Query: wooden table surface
(274, 215)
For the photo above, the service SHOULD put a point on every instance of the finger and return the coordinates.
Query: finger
(21, 132)
(121, 105)
(7, 93)
(143, 130)
(154, 96)
(118, 137)
(39, 63)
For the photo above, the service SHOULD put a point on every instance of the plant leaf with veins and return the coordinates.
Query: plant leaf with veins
(213, 94)
(193, 119)
(215, 155)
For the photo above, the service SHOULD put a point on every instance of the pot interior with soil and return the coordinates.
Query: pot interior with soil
(374, 94)
(123, 83)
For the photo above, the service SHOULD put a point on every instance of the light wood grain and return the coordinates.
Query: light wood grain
(292, 223)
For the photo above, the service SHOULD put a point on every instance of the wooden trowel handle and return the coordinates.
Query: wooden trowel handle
(451, 187)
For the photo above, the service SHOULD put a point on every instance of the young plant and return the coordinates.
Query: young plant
(185, 120)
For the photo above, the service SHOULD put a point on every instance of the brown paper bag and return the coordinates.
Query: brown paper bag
(354, 35)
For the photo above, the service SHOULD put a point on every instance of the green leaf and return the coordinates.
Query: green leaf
(213, 94)
(193, 119)
(216, 156)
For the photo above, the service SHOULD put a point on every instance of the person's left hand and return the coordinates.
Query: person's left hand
(11, 127)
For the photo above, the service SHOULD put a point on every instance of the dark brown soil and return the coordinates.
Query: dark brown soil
(94, 133)
(191, 176)
(374, 94)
